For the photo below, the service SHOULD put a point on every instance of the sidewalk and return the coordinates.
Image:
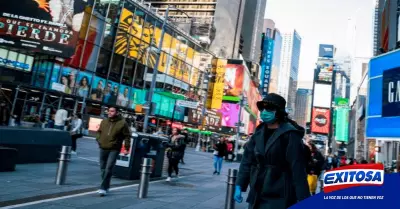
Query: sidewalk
(33, 182)
(196, 191)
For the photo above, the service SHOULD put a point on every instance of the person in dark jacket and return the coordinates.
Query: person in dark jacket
(314, 167)
(174, 152)
(220, 151)
(273, 163)
(112, 132)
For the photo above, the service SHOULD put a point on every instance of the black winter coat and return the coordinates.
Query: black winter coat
(276, 173)
(175, 149)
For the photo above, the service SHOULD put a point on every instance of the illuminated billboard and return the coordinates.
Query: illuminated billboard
(42, 26)
(325, 70)
(322, 95)
(320, 120)
(342, 124)
(234, 76)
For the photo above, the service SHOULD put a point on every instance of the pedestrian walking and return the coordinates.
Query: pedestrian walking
(76, 131)
(174, 152)
(314, 168)
(220, 151)
(185, 142)
(274, 160)
(60, 118)
(112, 132)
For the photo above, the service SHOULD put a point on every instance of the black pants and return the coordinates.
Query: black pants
(173, 165)
(74, 138)
(183, 152)
(108, 158)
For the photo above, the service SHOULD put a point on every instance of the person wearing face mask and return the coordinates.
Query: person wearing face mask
(274, 160)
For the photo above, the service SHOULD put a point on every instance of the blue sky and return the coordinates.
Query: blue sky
(324, 21)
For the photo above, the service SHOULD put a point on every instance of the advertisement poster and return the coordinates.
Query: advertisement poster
(391, 93)
(123, 96)
(326, 51)
(216, 87)
(230, 114)
(321, 120)
(97, 88)
(234, 80)
(123, 159)
(67, 81)
(49, 27)
(83, 84)
(138, 97)
(110, 93)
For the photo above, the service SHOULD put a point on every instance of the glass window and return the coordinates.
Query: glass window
(108, 36)
(167, 40)
(127, 77)
(139, 75)
(96, 29)
(112, 16)
(102, 64)
(100, 8)
(134, 47)
(116, 67)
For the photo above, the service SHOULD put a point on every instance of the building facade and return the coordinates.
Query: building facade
(276, 62)
(253, 21)
(289, 68)
(217, 24)
(302, 106)
(110, 59)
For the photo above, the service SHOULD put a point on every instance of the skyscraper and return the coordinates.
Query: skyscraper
(253, 20)
(302, 106)
(216, 23)
(289, 68)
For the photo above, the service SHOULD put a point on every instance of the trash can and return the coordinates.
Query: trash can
(142, 146)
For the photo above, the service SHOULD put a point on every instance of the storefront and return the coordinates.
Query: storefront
(383, 109)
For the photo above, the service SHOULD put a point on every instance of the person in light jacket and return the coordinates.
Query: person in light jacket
(274, 160)
(76, 131)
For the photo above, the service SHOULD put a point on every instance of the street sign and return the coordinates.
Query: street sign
(187, 104)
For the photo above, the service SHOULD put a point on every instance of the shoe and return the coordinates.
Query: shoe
(102, 192)
(215, 172)
(168, 179)
(218, 173)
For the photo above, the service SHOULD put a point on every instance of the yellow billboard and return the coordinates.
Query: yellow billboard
(216, 92)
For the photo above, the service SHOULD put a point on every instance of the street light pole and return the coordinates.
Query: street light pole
(155, 71)
(206, 80)
(238, 125)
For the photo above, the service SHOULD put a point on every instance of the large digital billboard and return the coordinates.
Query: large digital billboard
(320, 120)
(322, 95)
(377, 124)
(230, 114)
(325, 70)
(342, 124)
(326, 50)
(234, 76)
(50, 27)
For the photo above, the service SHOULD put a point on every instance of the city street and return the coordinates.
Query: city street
(32, 186)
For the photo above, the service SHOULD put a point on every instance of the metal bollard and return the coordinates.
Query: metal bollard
(144, 178)
(65, 155)
(230, 190)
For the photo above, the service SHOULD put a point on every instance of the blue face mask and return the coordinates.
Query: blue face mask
(268, 116)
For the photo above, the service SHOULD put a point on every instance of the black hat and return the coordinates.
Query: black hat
(273, 100)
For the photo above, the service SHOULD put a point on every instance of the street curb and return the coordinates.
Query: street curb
(74, 192)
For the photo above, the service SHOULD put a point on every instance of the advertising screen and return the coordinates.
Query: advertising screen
(123, 96)
(15, 60)
(138, 97)
(230, 114)
(110, 93)
(234, 80)
(48, 27)
(97, 89)
(83, 84)
(252, 98)
(325, 67)
(217, 85)
(382, 73)
(320, 120)
(322, 95)
(326, 50)
(342, 124)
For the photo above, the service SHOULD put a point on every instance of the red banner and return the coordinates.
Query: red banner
(321, 118)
